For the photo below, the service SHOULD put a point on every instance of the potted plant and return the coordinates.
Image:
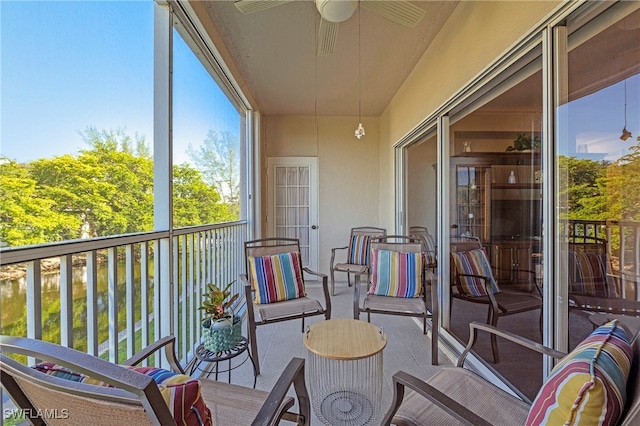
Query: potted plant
(216, 306)
(220, 328)
(525, 142)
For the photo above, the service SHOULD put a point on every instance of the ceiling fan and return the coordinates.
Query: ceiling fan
(335, 11)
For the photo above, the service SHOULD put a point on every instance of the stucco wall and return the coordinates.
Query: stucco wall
(477, 34)
(348, 172)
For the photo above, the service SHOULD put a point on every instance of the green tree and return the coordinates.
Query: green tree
(195, 202)
(579, 188)
(28, 215)
(218, 158)
(593, 190)
(107, 187)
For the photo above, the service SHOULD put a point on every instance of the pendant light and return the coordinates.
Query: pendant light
(359, 133)
(625, 133)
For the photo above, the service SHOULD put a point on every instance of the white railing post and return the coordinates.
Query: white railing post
(112, 285)
(131, 303)
(92, 303)
(66, 301)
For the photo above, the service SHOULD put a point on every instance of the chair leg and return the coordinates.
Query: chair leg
(493, 320)
(303, 324)
(333, 285)
(541, 319)
(254, 348)
(349, 279)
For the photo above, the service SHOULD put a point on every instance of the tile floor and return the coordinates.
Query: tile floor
(407, 347)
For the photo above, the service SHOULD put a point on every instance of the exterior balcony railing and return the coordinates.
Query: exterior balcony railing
(112, 296)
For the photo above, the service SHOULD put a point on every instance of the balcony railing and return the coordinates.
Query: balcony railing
(117, 294)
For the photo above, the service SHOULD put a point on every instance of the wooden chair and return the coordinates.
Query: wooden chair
(134, 398)
(268, 313)
(357, 253)
(456, 395)
(472, 281)
(402, 306)
(428, 245)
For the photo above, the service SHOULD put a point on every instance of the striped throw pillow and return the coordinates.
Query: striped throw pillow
(181, 393)
(588, 276)
(396, 274)
(277, 278)
(473, 262)
(359, 250)
(588, 386)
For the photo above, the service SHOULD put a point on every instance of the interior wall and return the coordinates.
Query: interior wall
(349, 172)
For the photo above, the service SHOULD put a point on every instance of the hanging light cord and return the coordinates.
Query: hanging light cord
(360, 72)
(360, 129)
(625, 103)
(315, 82)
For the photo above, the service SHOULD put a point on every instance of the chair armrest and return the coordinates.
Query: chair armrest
(455, 409)
(475, 326)
(333, 254)
(293, 374)
(325, 290)
(166, 343)
(486, 281)
(317, 274)
(485, 278)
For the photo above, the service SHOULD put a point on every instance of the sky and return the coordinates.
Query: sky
(69, 65)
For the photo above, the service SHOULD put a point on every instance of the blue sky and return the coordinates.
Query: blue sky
(68, 65)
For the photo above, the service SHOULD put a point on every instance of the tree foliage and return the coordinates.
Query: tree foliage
(218, 160)
(105, 189)
(599, 190)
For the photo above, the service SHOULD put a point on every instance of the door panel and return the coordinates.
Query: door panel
(293, 203)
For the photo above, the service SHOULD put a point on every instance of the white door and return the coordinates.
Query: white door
(293, 203)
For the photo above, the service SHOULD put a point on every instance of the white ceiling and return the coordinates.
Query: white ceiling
(274, 50)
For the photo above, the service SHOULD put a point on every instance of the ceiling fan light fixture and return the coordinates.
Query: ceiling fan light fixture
(336, 10)
(359, 131)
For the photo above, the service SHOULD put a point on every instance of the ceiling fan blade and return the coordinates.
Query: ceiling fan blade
(327, 36)
(250, 6)
(399, 11)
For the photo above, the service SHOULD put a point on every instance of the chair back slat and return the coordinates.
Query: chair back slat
(369, 230)
(399, 243)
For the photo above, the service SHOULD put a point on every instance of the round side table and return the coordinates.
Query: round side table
(345, 371)
(212, 360)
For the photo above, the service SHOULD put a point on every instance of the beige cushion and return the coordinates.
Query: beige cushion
(286, 308)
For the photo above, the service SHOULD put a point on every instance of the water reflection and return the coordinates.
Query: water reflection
(13, 303)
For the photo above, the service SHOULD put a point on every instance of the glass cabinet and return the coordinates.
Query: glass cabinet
(472, 212)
